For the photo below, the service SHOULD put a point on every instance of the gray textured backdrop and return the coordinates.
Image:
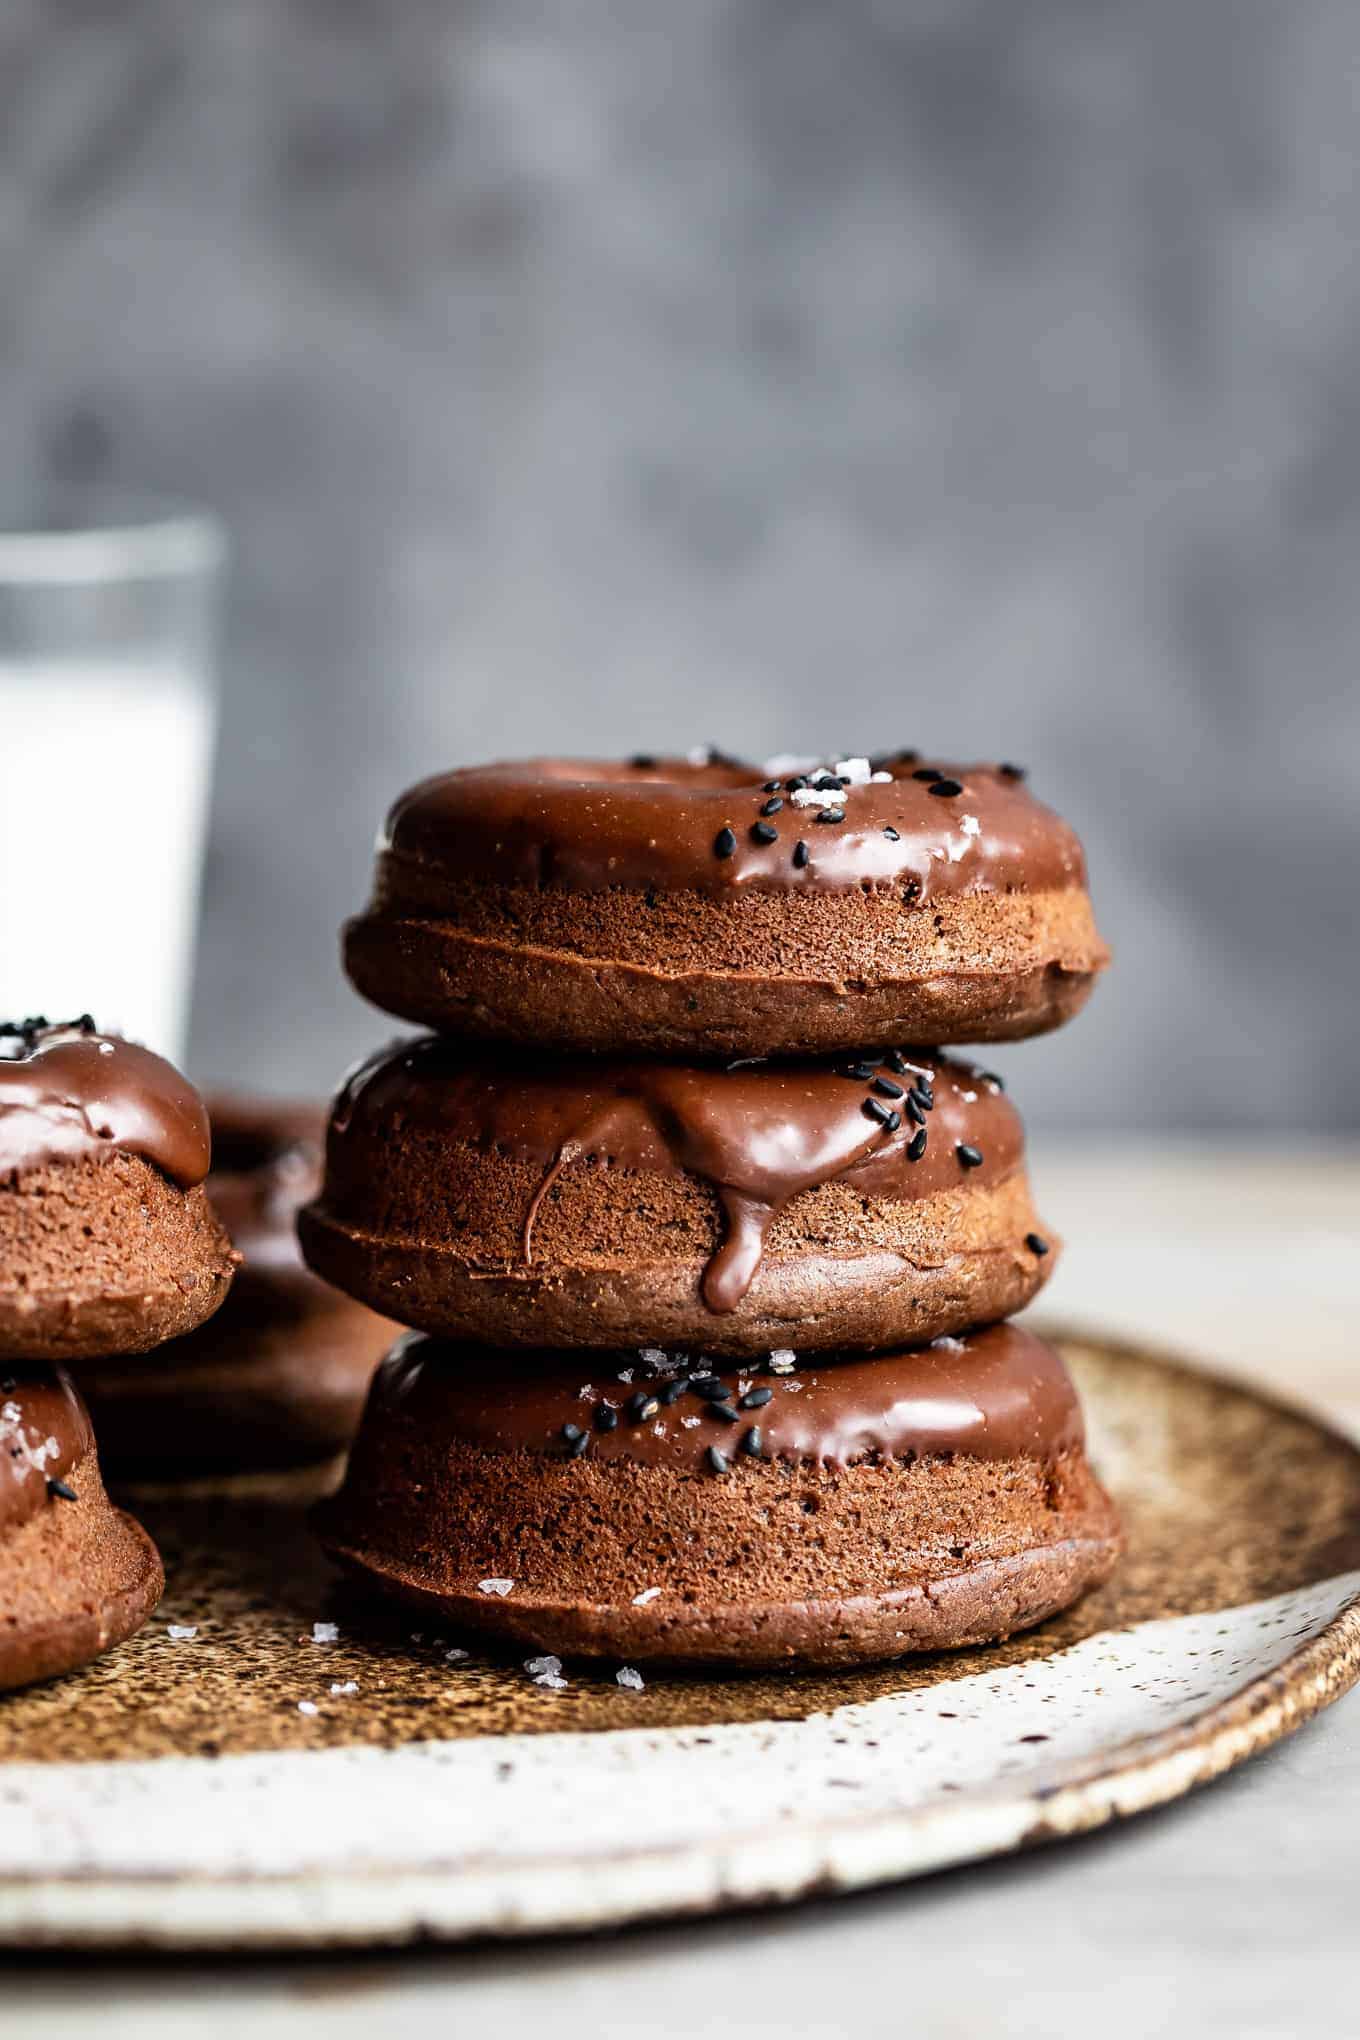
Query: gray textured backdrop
(976, 373)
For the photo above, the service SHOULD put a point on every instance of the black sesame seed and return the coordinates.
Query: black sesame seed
(886, 1088)
(928, 772)
(893, 1121)
(764, 832)
(878, 1112)
(709, 1387)
(916, 1146)
(860, 1071)
(969, 1157)
(1011, 771)
(755, 1398)
(897, 1061)
(643, 762)
(579, 1446)
(724, 843)
(772, 805)
(924, 1093)
(606, 1418)
(571, 1432)
(642, 1407)
(59, 1490)
(831, 814)
(947, 788)
(752, 1443)
(915, 1110)
(797, 783)
(772, 785)
(800, 855)
(722, 1410)
(1036, 1243)
(718, 1461)
(990, 1077)
(892, 835)
(673, 1390)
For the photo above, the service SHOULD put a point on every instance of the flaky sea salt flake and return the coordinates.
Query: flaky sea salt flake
(501, 1587)
(626, 1676)
(325, 1632)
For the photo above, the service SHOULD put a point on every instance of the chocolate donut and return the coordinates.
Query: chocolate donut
(278, 1377)
(77, 1574)
(107, 1241)
(673, 908)
(852, 1510)
(527, 1200)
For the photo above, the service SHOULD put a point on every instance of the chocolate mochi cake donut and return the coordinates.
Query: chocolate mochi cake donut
(639, 1506)
(278, 1376)
(107, 1241)
(669, 907)
(76, 1574)
(527, 1201)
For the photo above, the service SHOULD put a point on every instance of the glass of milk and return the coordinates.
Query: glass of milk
(108, 711)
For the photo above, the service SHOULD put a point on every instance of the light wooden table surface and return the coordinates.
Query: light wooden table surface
(1234, 1914)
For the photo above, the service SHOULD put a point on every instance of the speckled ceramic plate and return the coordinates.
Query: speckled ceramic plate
(227, 1780)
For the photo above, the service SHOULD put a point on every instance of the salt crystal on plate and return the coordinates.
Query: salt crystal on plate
(971, 826)
(535, 1666)
(688, 1423)
(501, 1587)
(782, 1360)
(880, 779)
(350, 1686)
(182, 1632)
(625, 1374)
(856, 770)
(325, 1632)
(454, 1656)
(584, 1392)
(793, 1387)
(647, 1594)
(553, 1681)
(308, 1707)
(629, 1678)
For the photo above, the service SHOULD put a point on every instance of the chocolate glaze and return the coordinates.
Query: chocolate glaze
(589, 824)
(999, 1393)
(758, 1132)
(44, 1432)
(71, 1093)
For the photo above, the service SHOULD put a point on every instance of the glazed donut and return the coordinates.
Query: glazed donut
(278, 1377)
(525, 1200)
(665, 907)
(850, 1511)
(107, 1241)
(79, 1575)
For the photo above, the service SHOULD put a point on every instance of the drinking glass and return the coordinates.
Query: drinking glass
(108, 714)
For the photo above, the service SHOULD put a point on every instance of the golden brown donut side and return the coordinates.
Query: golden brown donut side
(620, 1258)
(105, 1255)
(758, 973)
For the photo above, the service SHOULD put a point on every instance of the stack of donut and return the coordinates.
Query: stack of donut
(108, 1247)
(708, 1259)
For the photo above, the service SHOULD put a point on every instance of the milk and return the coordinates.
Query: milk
(105, 772)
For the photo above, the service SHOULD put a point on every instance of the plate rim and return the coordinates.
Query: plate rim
(871, 1849)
